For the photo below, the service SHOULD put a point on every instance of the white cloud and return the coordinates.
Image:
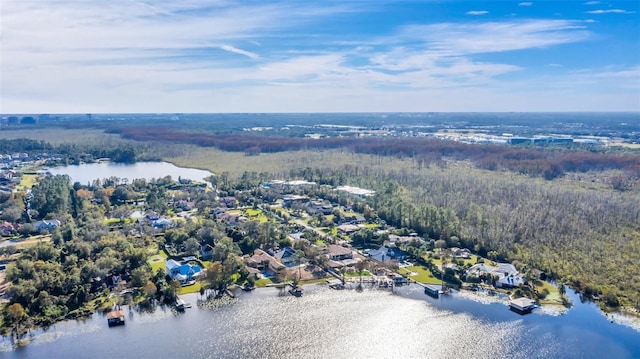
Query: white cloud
(476, 12)
(217, 56)
(610, 11)
(592, 3)
(526, 3)
(491, 37)
(235, 50)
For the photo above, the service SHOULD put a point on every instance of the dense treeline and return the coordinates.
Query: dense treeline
(549, 163)
(587, 237)
(76, 153)
(22, 145)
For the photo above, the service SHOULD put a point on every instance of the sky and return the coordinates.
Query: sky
(155, 56)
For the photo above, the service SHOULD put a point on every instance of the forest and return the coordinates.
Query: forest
(548, 163)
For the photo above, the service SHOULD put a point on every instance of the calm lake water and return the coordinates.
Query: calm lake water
(87, 173)
(324, 323)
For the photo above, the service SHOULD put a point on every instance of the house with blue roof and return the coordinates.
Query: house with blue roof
(286, 256)
(386, 255)
(183, 272)
(162, 223)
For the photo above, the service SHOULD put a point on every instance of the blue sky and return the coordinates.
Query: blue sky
(78, 56)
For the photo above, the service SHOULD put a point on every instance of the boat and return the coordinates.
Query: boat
(296, 291)
(335, 284)
(522, 305)
(115, 317)
(180, 305)
(432, 290)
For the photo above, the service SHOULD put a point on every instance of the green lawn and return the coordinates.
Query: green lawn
(554, 294)
(193, 288)
(256, 215)
(263, 282)
(365, 273)
(156, 262)
(423, 275)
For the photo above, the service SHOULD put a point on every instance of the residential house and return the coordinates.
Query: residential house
(6, 229)
(286, 256)
(263, 262)
(386, 255)
(183, 272)
(162, 223)
(152, 216)
(353, 220)
(506, 273)
(184, 205)
(348, 228)
(320, 208)
(339, 256)
(292, 200)
(229, 201)
(46, 225)
(206, 252)
(395, 240)
(460, 253)
(231, 218)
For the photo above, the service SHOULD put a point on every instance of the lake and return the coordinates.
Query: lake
(324, 323)
(87, 173)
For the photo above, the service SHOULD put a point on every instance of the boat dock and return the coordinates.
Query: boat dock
(115, 317)
(522, 305)
(432, 290)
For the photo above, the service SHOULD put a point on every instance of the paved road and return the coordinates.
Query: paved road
(319, 232)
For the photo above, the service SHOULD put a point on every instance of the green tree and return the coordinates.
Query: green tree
(17, 315)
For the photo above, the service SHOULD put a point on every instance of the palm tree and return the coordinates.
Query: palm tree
(299, 259)
(360, 266)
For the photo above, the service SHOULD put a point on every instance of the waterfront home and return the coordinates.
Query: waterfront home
(286, 256)
(507, 274)
(339, 256)
(183, 272)
(386, 255)
(263, 262)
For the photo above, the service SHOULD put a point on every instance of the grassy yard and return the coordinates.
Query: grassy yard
(256, 215)
(26, 181)
(193, 288)
(156, 262)
(263, 282)
(355, 274)
(554, 294)
(423, 274)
